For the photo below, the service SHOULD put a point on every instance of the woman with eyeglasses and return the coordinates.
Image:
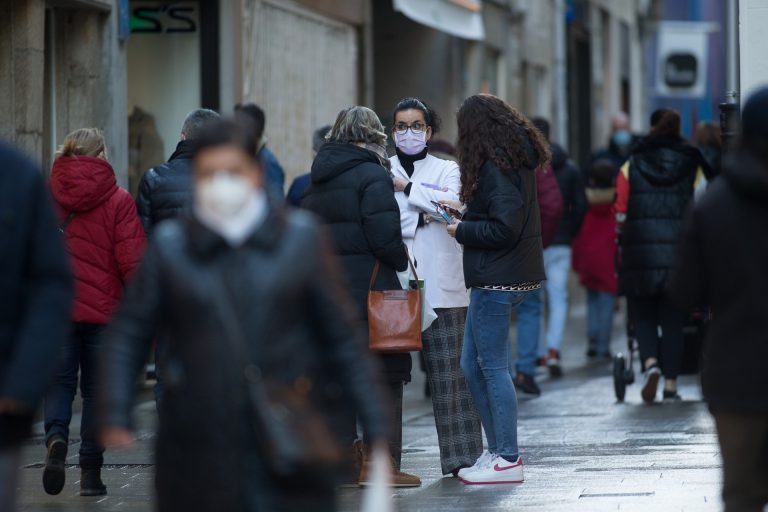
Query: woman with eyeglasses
(421, 180)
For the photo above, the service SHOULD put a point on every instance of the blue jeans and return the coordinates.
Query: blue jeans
(485, 362)
(528, 332)
(81, 352)
(600, 319)
(557, 263)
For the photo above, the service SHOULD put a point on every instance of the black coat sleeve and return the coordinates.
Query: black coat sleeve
(381, 222)
(129, 338)
(504, 222)
(334, 319)
(687, 282)
(144, 201)
(47, 301)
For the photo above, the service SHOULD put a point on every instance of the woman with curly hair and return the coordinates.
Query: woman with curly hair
(499, 152)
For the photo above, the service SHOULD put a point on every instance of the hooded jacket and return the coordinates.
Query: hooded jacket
(353, 194)
(722, 265)
(167, 191)
(102, 231)
(654, 190)
(571, 184)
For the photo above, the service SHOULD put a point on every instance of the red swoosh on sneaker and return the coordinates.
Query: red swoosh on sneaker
(498, 468)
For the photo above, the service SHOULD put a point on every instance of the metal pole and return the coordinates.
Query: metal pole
(561, 105)
(730, 110)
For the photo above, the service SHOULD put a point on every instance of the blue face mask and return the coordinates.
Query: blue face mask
(622, 138)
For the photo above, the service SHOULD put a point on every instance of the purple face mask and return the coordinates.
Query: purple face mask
(411, 143)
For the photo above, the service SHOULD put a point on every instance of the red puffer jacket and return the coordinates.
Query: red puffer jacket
(550, 204)
(104, 237)
(594, 248)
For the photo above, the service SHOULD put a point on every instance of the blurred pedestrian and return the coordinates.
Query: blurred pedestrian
(557, 257)
(620, 143)
(421, 180)
(594, 257)
(105, 242)
(722, 265)
(254, 114)
(166, 191)
(499, 152)
(301, 184)
(257, 321)
(442, 149)
(530, 312)
(653, 190)
(35, 303)
(353, 194)
(709, 142)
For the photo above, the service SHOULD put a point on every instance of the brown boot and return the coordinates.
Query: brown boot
(399, 478)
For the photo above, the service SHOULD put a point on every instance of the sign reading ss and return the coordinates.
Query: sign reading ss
(157, 18)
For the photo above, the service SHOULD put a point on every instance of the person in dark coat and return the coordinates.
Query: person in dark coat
(653, 191)
(557, 256)
(165, 191)
(105, 241)
(301, 184)
(499, 150)
(247, 293)
(620, 143)
(709, 142)
(353, 194)
(35, 303)
(722, 265)
(254, 115)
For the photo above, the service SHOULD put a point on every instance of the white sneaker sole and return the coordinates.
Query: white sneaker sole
(467, 482)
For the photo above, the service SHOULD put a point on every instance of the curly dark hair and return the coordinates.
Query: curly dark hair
(491, 129)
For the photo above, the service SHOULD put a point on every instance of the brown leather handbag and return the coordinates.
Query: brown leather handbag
(394, 317)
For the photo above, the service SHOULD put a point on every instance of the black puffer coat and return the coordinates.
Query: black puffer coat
(166, 191)
(286, 295)
(501, 231)
(354, 195)
(662, 174)
(722, 264)
(571, 184)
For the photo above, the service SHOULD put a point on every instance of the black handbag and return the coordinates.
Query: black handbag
(293, 436)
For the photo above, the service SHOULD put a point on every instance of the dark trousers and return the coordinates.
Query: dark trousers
(658, 327)
(81, 352)
(744, 447)
(395, 389)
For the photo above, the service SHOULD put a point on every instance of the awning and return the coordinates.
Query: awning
(460, 18)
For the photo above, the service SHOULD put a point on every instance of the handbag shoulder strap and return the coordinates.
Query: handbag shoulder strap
(63, 225)
(377, 267)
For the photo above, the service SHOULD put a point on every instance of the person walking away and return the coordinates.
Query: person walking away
(721, 265)
(530, 312)
(301, 184)
(165, 191)
(653, 191)
(35, 303)
(620, 143)
(353, 195)
(421, 180)
(198, 284)
(105, 242)
(594, 258)
(499, 152)
(557, 256)
(252, 113)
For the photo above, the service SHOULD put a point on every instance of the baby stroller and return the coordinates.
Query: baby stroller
(693, 337)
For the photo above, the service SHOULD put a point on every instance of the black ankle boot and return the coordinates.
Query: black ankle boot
(53, 474)
(91, 484)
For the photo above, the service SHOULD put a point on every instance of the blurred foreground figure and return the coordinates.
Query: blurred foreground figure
(105, 241)
(35, 301)
(722, 264)
(258, 332)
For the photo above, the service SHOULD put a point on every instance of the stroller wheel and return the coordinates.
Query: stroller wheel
(619, 381)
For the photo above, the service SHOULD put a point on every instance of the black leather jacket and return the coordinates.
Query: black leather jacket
(166, 191)
(286, 293)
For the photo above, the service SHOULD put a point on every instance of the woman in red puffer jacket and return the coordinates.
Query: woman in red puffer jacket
(594, 257)
(105, 241)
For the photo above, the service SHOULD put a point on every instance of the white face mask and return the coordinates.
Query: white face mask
(411, 143)
(230, 206)
(224, 195)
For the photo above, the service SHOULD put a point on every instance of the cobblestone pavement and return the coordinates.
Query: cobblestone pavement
(582, 450)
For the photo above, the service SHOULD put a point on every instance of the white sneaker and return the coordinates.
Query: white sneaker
(498, 471)
(481, 462)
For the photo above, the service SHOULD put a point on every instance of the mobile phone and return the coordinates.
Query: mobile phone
(448, 209)
(444, 215)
